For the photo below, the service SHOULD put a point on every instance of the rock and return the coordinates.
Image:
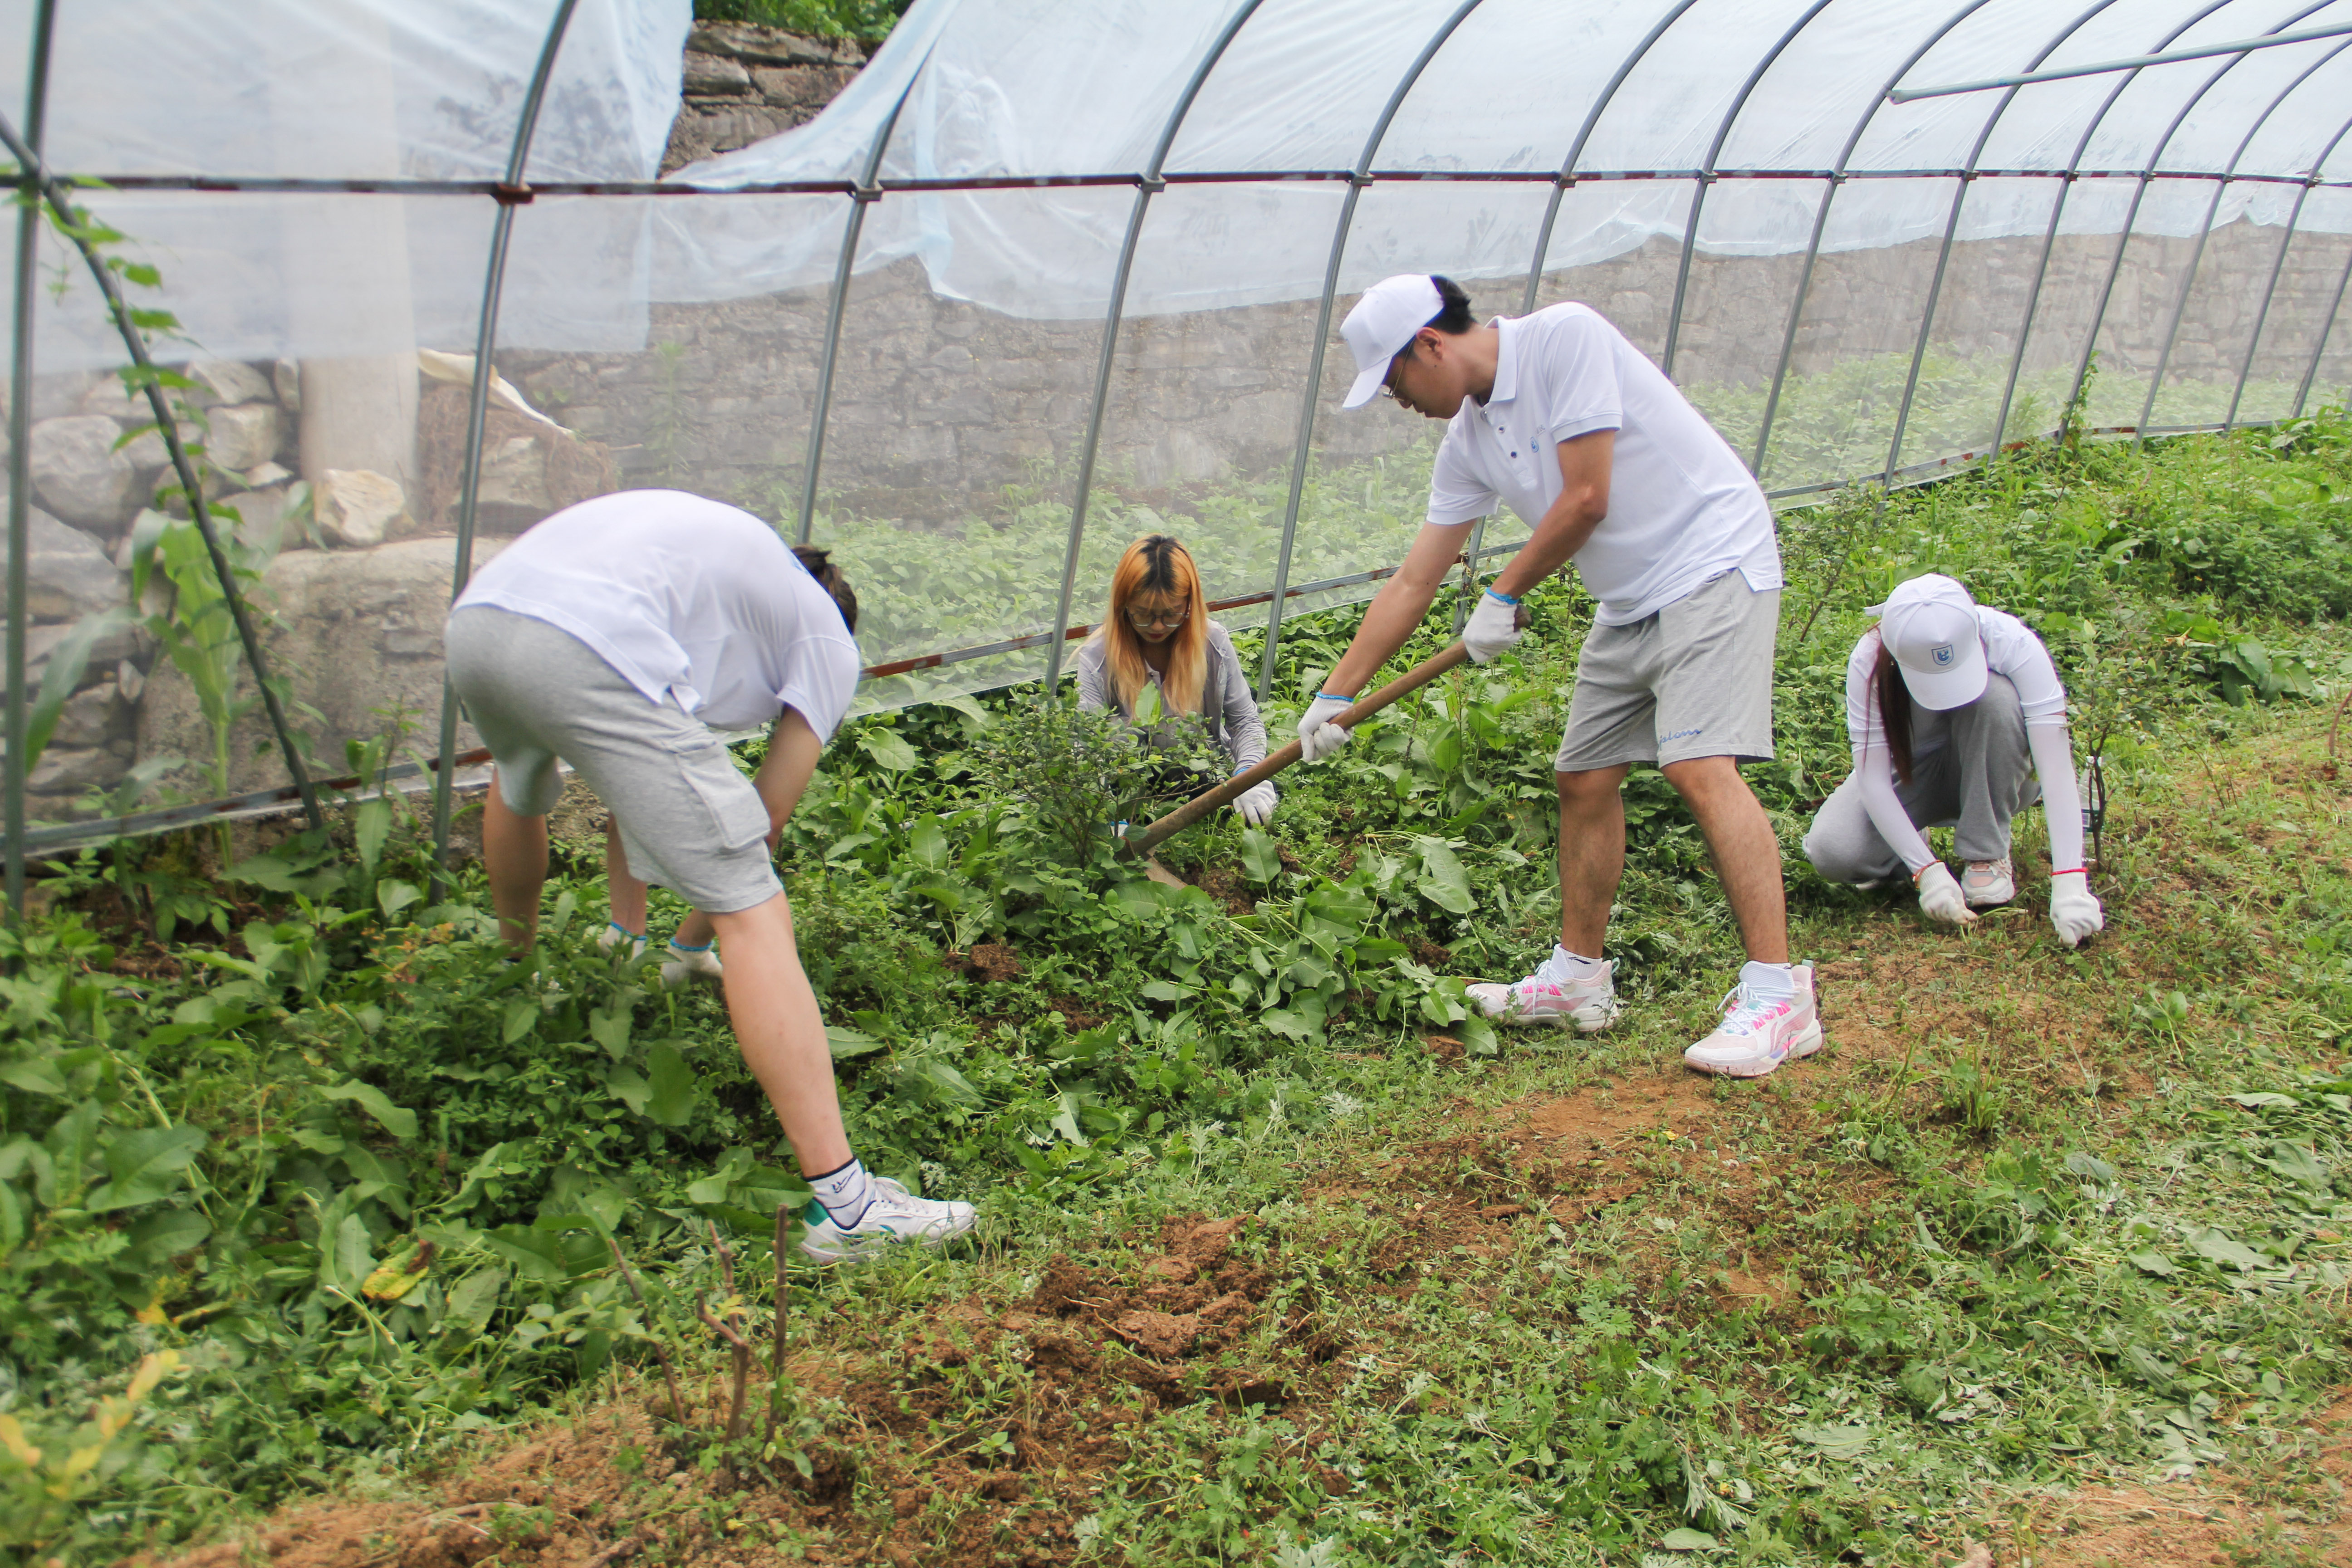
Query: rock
(756, 45)
(130, 679)
(262, 520)
(62, 394)
(285, 379)
(69, 770)
(261, 475)
(79, 475)
(514, 473)
(225, 381)
(66, 575)
(800, 87)
(108, 395)
(711, 75)
(355, 506)
(95, 716)
(356, 631)
(244, 434)
(42, 641)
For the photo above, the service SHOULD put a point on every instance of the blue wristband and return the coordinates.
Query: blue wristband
(683, 948)
(1506, 598)
(1333, 696)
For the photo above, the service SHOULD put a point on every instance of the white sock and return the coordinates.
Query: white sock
(1579, 967)
(1767, 979)
(845, 1193)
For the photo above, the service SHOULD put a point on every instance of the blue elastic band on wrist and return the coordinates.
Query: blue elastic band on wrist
(706, 947)
(632, 935)
(1333, 696)
(1506, 598)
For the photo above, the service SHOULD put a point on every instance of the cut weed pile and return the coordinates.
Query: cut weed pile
(328, 1234)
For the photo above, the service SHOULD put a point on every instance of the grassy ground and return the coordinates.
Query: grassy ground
(2002, 1255)
(306, 1192)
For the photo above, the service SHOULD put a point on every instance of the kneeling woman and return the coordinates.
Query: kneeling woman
(1954, 709)
(1158, 633)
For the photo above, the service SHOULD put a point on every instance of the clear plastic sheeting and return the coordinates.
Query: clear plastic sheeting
(1047, 275)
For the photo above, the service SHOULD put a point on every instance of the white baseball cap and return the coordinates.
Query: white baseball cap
(1382, 322)
(1929, 626)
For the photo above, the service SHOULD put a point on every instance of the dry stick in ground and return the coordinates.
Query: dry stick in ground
(661, 1352)
(742, 1354)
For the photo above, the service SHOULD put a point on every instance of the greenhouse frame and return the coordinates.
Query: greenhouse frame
(1042, 276)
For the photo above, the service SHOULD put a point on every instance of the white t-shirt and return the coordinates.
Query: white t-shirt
(1682, 509)
(684, 597)
(2010, 649)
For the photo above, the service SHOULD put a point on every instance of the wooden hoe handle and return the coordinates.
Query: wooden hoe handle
(1200, 806)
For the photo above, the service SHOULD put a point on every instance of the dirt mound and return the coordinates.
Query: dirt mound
(983, 1438)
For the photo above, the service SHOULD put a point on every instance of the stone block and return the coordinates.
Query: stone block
(220, 381)
(357, 631)
(713, 75)
(286, 380)
(79, 475)
(759, 45)
(514, 473)
(94, 716)
(42, 641)
(67, 574)
(244, 434)
(147, 452)
(800, 87)
(355, 506)
(69, 770)
(108, 395)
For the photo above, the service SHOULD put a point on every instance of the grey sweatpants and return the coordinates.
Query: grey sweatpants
(1979, 779)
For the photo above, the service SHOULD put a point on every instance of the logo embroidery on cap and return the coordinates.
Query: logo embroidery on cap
(1942, 655)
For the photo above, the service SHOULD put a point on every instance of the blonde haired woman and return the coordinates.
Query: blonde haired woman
(1158, 633)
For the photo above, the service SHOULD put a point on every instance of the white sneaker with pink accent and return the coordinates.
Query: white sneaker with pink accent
(1760, 1032)
(1563, 991)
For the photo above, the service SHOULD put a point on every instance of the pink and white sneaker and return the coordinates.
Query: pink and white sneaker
(1759, 1033)
(1552, 995)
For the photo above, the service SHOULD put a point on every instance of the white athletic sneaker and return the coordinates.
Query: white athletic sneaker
(680, 965)
(1987, 884)
(894, 1215)
(610, 938)
(1759, 1033)
(1550, 997)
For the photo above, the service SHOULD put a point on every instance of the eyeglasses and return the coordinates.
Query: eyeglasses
(1388, 383)
(1151, 620)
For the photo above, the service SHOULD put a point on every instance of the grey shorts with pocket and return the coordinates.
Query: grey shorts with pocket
(1692, 680)
(689, 820)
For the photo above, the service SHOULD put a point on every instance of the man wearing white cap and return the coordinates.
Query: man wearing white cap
(1558, 416)
(1949, 705)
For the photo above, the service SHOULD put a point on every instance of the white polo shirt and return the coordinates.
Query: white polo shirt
(685, 597)
(1682, 509)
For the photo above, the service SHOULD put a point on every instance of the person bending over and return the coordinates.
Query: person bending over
(1954, 709)
(1158, 633)
(621, 635)
(1560, 417)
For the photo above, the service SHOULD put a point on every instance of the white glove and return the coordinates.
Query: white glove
(1256, 803)
(2074, 911)
(1493, 627)
(1940, 898)
(1318, 736)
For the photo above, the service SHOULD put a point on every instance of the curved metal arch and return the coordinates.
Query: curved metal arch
(1566, 175)
(1837, 178)
(1706, 178)
(865, 195)
(20, 483)
(2278, 264)
(2058, 212)
(1358, 178)
(2205, 231)
(2139, 193)
(478, 409)
(1150, 183)
(2319, 349)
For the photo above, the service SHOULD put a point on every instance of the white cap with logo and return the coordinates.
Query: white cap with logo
(1382, 322)
(1930, 627)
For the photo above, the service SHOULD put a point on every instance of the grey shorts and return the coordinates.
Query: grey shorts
(1692, 680)
(689, 820)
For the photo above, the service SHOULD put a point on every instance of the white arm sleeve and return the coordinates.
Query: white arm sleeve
(1875, 769)
(2053, 765)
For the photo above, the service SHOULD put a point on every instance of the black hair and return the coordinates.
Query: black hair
(1453, 317)
(821, 567)
(1159, 549)
(1894, 709)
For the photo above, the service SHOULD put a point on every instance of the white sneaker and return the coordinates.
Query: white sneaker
(1550, 996)
(610, 938)
(1759, 1033)
(680, 965)
(1986, 884)
(894, 1215)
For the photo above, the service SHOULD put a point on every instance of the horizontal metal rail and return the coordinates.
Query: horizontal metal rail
(267, 185)
(2102, 68)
